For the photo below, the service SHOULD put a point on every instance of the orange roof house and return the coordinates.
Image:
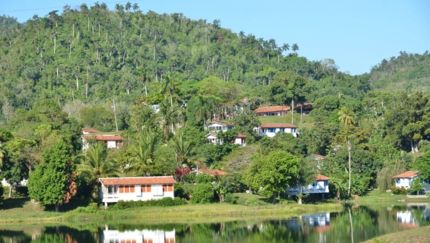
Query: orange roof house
(407, 174)
(114, 189)
(111, 140)
(405, 179)
(271, 129)
(272, 110)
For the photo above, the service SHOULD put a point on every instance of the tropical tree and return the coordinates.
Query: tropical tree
(346, 118)
(168, 117)
(141, 154)
(307, 174)
(53, 181)
(182, 147)
(95, 165)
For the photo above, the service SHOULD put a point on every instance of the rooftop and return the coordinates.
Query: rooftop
(320, 177)
(137, 180)
(104, 138)
(90, 130)
(278, 125)
(272, 109)
(407, 174)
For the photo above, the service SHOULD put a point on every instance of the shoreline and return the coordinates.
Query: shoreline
(181, 214)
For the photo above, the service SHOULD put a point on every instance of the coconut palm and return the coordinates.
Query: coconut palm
(346, 118)
(142, 154)
(182, 147)
(168, 117)
(95, 164)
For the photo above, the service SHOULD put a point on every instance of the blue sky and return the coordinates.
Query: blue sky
(356, 34)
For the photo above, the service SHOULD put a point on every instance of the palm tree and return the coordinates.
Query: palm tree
(95, 164)
(182, 147)
(142, 153)
(204, 110)
(169, 86)
(295, 47)
(2, 155)
(169, 115)
(346, 118)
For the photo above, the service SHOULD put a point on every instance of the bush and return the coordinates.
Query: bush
(92, 208)
(230, 198)
(399, 191)
(203, 178)
(202, 193)
(189, 177)
(164, 202)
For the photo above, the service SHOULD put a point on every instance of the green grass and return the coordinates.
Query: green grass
(376, 197)
(418, 235)
(24, 211)
(306, 122)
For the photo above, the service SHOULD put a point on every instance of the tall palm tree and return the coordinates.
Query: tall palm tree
(168, 116)
(142, 154)
(346, 118)
(169, 86)
(182, 147)
(204, 111)
(95, 164)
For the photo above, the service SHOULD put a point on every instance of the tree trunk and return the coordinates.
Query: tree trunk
(292, 111)
(351, 225)
(57, 207)
(349, 166)
(114, 112)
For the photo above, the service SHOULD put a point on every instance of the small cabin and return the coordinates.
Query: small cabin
(272, 111)
(111, 140)
(240, 139)
(218, 126)
(114, 189)
(270, 130)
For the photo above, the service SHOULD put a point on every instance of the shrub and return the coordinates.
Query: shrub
(203, 178)
(399, 191)
(230, 198)
(189, 177)
(202, 193)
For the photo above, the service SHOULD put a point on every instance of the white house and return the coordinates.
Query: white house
(141, 236)
(217, 126)
(271, 129)
(405, 179)
(240, 139)
(318, 187)
(115, 189)
(272, 111)
(111, 140)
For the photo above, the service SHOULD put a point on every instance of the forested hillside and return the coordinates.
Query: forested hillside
(158, 80)
(93, 54)
(407, 72)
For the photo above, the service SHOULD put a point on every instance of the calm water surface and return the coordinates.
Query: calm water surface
(351, 225)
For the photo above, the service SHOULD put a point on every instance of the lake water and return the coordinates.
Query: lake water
(351, 225)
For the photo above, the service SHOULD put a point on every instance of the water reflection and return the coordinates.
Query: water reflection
(354, 224)
(134, 236)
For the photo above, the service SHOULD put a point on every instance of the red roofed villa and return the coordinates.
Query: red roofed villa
(114, 189)
(270, 129)
(404, 179)
(272, 110)
(111, 140)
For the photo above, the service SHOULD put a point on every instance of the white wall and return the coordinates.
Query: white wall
(265, 132)
(155, 236)
(111, 144)
(317, 187)
(137, 195)
(403, 182)
(239, 141)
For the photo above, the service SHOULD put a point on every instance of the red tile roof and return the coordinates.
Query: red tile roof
(319, 156)
(213, 172)
(278, 125)
(320, 177)
(407, 174)
(137, 180)
(90, 130)
(105, 138)
(240, 135)
(272, 109)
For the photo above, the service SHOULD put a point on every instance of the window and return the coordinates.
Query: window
(167, 188)
(282, 129)
(157, 190)
(271, 129)
(146, 188)
(126, 189)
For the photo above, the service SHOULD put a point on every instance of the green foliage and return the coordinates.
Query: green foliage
(203, 178)
(416, 185)
(270, 174)
(52, 182)
(202, 194)
(399, 190)
(422, 164)
(163, 202)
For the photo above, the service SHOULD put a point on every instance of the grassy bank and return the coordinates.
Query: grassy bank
(417, 235)
(28, 212)
(376, 197)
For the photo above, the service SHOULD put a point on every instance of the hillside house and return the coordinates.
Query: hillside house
(141, 236)
(271, 129)
(303, 108)
(272, 111)
(114, 189)
(320, 186)
(217, 126)
(111, 140)
(405, 179)
(239, 140)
